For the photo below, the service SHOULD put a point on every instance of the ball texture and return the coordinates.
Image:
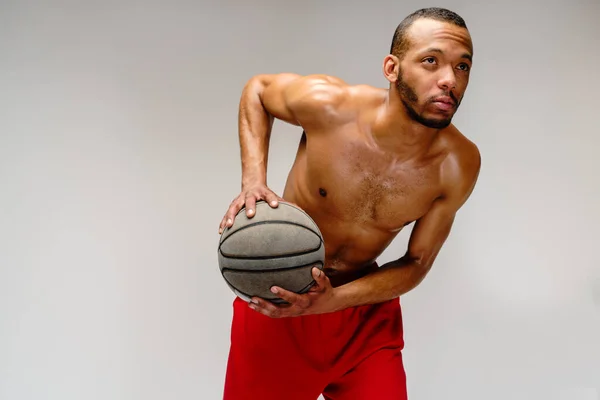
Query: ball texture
(276, 247)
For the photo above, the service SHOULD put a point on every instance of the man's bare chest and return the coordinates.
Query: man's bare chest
(365, 186)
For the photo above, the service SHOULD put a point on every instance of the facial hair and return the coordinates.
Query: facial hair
(409, 99)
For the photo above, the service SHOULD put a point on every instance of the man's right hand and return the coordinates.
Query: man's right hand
(248, 198)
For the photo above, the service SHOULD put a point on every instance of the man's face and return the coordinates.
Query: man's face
(434, 73)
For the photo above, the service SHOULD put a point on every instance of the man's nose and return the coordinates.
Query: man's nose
(447, 79)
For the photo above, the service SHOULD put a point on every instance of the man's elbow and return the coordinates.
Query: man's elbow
(419, 266)
(420, 260)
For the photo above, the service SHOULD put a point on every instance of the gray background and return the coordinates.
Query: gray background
(119, 156)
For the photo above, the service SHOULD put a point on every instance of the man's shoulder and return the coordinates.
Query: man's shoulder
(460, 146)
(462, 164)
(338, 89)
(332, 96)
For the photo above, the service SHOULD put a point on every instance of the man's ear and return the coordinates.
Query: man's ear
(391, 68)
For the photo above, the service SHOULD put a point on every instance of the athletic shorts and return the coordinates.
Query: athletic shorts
(354, 353)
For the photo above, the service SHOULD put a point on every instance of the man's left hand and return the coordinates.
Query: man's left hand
(318, 300)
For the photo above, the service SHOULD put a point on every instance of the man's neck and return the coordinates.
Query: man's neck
(396, 132)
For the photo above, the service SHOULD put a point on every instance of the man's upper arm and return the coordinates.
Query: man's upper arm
(459, 176)
(301, 100)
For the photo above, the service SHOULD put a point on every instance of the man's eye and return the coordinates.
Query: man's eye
(429, 60)
(464, 67)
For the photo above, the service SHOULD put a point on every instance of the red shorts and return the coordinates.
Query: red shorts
(350, 354)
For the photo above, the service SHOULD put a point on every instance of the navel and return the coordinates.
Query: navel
(322, 192)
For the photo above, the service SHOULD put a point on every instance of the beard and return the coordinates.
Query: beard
(409, 99)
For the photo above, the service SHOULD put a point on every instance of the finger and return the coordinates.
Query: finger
(234, 208)
(321, 280)
(227, 217)
(250, 205)
(294, 299)
(265, 307)
(272, 199)
(224, 222)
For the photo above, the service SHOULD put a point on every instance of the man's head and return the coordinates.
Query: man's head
(429, 64)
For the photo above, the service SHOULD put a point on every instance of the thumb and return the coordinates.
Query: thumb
(320, 278)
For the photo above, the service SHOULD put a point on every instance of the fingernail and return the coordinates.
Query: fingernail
(229, 221)
(273, 203)
(254, 301)
(274, 290)
(250, 211)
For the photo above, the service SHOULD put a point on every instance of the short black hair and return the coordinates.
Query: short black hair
(400, 41)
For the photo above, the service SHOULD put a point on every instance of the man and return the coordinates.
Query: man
(370, 161)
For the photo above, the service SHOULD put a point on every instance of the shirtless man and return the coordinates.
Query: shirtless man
(370, 161)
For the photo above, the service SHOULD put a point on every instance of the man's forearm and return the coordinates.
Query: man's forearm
(389, 281)
(255, 126)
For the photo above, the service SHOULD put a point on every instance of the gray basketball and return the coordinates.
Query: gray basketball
(276, 247)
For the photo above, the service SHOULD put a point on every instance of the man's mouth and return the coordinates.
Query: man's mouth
(445, 103)
(445, 100)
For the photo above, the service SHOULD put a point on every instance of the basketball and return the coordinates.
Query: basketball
(276, 247)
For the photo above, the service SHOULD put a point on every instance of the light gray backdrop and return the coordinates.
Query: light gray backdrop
(119, 156)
